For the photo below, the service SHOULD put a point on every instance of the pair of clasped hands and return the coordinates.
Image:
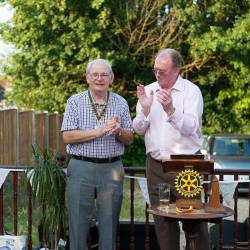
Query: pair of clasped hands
(163, 97)
(111, 126)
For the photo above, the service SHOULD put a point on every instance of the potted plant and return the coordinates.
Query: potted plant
(48, 183)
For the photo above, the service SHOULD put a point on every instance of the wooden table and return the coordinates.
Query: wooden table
(191, 220)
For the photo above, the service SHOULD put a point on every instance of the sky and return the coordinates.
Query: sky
(5, 14)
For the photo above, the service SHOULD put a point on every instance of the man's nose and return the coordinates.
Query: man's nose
(157, 72)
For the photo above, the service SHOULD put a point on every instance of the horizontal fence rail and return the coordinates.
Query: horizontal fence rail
(132, 223)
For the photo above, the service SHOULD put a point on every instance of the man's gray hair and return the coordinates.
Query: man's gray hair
(102, 61)
(175, 56)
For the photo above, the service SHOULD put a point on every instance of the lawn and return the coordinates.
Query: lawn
(139, 203)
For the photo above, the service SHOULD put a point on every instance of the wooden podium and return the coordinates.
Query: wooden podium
(213, 211)
(179, 163)
(192, 164)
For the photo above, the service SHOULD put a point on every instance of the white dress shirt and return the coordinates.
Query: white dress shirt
(181, 132)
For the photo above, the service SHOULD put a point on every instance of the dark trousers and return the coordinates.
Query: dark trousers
(168, 232)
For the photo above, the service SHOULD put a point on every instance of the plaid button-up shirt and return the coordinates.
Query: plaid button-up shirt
(79, 116)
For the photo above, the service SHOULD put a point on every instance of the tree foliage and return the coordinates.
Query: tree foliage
(56, 39)
(223, 72)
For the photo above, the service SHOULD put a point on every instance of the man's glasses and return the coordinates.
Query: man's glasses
(97, 75)
(159, 71)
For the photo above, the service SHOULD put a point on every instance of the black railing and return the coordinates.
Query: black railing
(131, 224)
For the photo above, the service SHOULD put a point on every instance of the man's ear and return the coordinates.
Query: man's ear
(87, 78)
(112, 77)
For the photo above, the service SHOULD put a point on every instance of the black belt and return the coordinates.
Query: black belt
(96, 160)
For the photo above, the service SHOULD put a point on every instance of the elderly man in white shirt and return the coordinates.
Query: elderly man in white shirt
(169, 113)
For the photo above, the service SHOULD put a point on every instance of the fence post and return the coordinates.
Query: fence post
(26, 136)
(8, 137)
(41, 130)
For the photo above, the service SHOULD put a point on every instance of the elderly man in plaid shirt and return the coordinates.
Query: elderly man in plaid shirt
(96, 126)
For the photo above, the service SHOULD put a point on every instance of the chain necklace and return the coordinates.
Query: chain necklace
(98, 115)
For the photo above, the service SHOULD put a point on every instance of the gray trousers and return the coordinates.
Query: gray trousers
(84, 180)
(168, 232)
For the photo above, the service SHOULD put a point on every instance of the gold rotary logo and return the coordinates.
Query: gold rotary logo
(188, 183)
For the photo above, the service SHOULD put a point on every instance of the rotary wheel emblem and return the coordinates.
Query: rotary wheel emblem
(188, 183)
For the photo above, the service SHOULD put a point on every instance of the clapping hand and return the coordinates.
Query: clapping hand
(165, 99)
(111, 126)
(144, 99)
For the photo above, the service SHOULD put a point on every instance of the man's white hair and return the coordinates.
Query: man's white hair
(102, 61)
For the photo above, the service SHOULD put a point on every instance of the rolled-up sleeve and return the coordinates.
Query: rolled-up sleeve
(70, 119)
(126, 121)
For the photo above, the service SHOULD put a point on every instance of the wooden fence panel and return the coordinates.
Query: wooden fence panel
(8, 137)
(62, 146)
(41, 130)
(54, 132)
(26, 136)
(19, 130)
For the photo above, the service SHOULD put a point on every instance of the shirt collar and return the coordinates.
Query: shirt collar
(177, 86)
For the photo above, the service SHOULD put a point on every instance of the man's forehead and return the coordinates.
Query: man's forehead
(163, 59)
